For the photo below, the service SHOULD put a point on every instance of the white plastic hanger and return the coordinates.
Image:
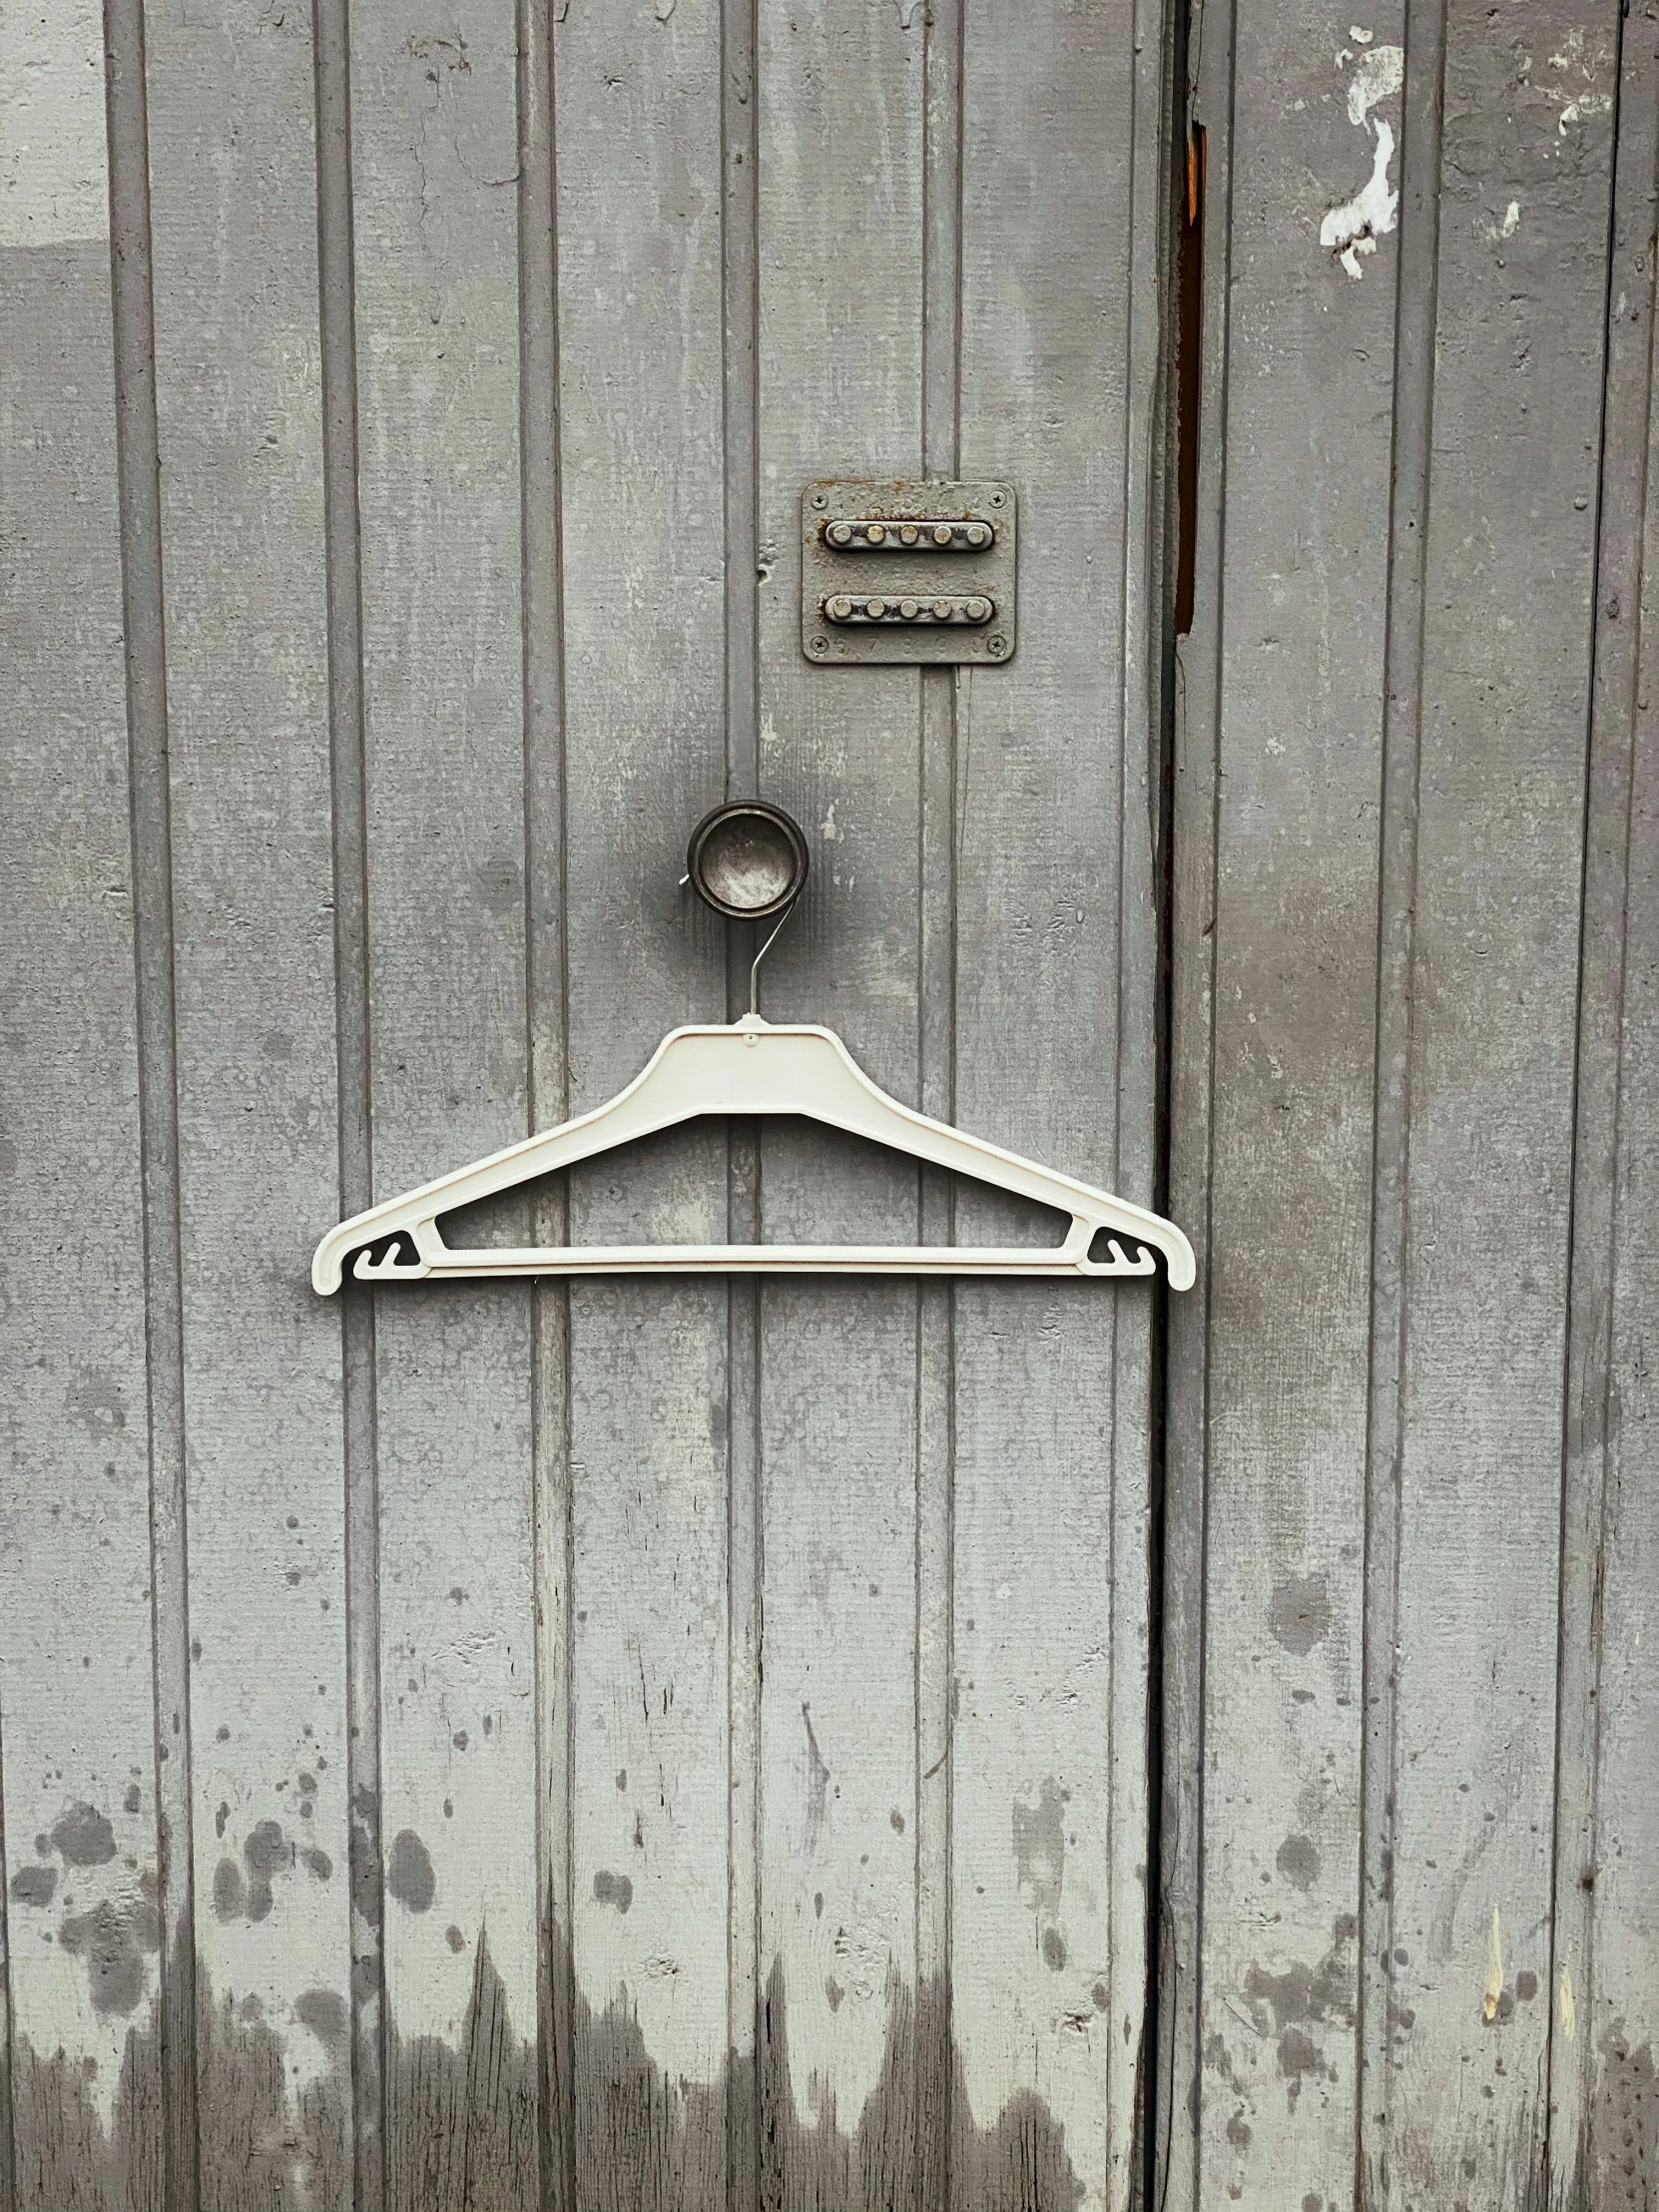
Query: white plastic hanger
(749, 860)
(751, 1067)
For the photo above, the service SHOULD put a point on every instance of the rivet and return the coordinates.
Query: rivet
(941, 610)
(875, 609)
(976, 533)
(838, 609)
(943, 533)
(875, 533)
(908, 609)
(908, 533)
(840, 533)
(978, 609)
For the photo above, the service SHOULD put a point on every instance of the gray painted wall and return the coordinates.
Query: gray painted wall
(682, 1744)
(1412, 1788)
(667, 1743)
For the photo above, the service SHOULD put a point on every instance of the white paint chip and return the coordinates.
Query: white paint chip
(54, 179)
(1569, 2012)
(1359, 38)
(1379, 73)
(1494, 1971)
(1512, 218)
(1353, 230)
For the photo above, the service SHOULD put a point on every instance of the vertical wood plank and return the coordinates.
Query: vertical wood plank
(1052, 1497)
(1604, 1950)
(546, 962)
(840, 350)
(434, 148)
(1298, 736)
(638, 105)
(78, 1804)
(1510, 551)
(232, 159)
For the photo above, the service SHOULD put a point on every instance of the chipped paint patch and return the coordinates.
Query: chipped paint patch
(1353, 230)
(1579, 97)
(1381, 73)
(1494, 1971)
(1569, 2012)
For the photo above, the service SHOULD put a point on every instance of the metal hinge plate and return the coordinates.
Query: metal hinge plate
(894, 571)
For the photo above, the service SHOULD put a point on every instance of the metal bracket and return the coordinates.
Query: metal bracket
(896, 571)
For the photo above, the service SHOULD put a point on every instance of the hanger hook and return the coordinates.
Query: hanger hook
(748, 860)
(755, 968)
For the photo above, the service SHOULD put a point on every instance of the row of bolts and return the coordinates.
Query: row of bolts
(944, 533)
(842, 609)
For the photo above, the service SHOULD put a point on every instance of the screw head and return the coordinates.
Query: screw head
(821, 645)
(997, 500)
(821, 499)
(997, 646)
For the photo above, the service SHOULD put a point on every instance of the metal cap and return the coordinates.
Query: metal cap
(747, 860)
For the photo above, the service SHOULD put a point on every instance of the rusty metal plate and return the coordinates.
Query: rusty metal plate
(937, 561)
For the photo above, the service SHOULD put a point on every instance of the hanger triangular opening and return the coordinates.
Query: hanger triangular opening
(753, 1067)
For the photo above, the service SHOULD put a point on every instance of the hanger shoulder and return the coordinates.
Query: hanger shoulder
(645, 1106)
(864, 1109)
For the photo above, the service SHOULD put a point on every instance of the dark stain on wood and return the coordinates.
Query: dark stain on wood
(464, 2130)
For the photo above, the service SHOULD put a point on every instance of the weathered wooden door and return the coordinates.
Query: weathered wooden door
(665, 1744)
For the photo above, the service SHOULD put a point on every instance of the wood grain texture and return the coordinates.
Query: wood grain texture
(1483, 1576)
(83, 2084)
(237, 346)
(730, 1703)
(434, 166)
(1062, 181)
(1295, 723)
(1509, 581)
(840, 322)
(642, 527)
(1603, 2138)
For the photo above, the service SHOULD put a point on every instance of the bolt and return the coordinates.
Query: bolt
(908, 533)
(840, 533)
(838, 609)
(943, 533)
(978, 609)
(875, 533)
(998, 645)
(875, 609)
(977, 533)
(941, 610)
(908, 609)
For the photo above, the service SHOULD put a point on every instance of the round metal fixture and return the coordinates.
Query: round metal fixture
(747, 860)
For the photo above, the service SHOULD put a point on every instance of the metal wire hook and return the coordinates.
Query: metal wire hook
(755, 968)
